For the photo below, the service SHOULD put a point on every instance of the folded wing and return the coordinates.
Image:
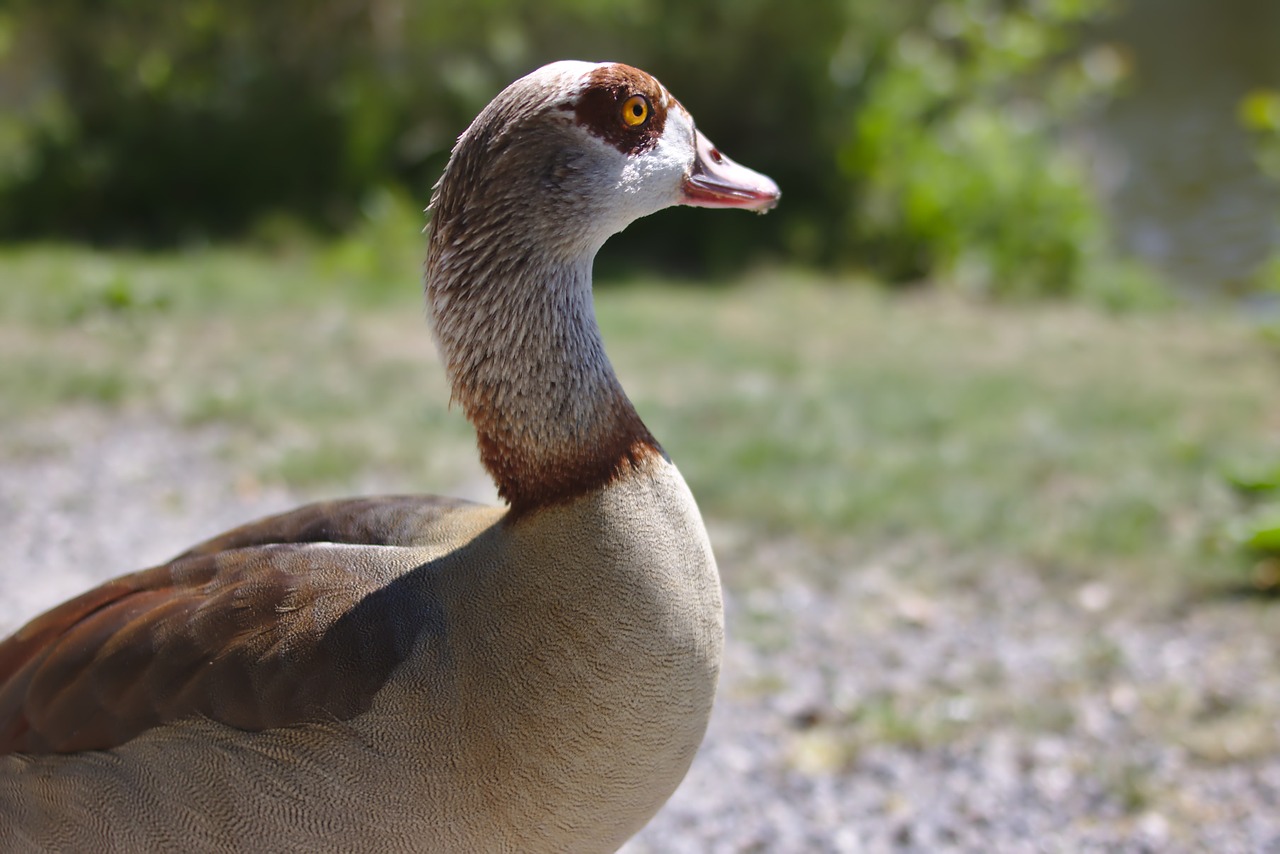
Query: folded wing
(287, 620)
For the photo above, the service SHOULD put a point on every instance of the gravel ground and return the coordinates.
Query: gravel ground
(886, 702)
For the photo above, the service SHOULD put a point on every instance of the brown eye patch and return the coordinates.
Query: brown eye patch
(601, 108)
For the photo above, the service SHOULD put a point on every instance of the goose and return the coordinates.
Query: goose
(410, 673)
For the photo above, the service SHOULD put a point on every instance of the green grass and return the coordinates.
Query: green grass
(1084, 442)
(1075, 439)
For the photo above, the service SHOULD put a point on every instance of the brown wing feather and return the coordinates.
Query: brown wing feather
(282, 621)
(387, 520)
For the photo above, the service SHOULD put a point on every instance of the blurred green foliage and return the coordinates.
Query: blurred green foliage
(1259, 113)
(912, 139)
(953, 147)
(1256, 530)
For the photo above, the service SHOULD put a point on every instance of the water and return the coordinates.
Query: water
(1177, 166)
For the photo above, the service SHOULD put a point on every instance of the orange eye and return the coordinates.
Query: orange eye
(635, 111)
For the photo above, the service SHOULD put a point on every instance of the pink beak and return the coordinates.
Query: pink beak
(717, 182)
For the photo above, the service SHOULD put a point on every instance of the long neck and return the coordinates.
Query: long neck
(525, 360)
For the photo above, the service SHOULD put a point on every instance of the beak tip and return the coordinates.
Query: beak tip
(760, 196)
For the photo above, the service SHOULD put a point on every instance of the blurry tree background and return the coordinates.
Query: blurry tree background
(913, 139)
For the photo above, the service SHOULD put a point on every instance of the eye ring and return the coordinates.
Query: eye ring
(636, 111)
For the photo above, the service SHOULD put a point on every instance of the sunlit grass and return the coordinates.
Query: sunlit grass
(1085, 443)
(1077, 440)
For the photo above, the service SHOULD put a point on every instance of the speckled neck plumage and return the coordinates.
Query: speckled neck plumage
(557, 163)
(525, 360)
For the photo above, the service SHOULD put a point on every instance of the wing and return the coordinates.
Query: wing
(387, 520)
(282, 621)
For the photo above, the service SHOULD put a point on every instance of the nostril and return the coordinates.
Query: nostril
(716, 157)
